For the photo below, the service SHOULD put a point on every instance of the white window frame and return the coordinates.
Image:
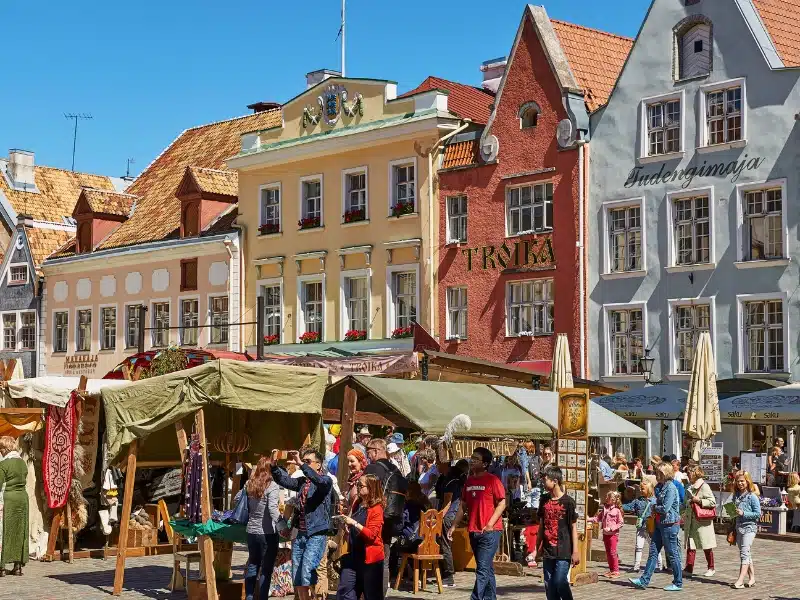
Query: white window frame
(53, 341)
(608, 206)
(412, 160)
(390, 304)
(301, 309)
(533, 333)
(355, 171)
(344, 319)
(271, 186)
(75, 324)
(152, 321)
(3, 330)
(672, 265)
(27, 273)
(231, 323)
(672, 305)
(644, 139)
(449, 309)
(741, 299)
(18, 330)
(702, 123)
(181, 342)
(301, 201)
(273, 282)
(135, 347)
(547, 227)
(101, 333)
(608, 367)
(465, 217)
(741, 190)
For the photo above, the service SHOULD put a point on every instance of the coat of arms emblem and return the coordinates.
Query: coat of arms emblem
(330, 105)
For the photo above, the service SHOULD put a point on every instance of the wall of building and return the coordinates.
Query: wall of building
(15, 299)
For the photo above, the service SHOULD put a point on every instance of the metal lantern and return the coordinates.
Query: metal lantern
(232, 442)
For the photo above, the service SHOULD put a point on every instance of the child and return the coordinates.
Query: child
(558, 535)
(645, 524)
(610, 519)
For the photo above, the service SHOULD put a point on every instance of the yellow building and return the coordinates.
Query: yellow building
(337, 205)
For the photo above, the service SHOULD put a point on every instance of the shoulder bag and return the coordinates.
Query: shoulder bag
(703, 514)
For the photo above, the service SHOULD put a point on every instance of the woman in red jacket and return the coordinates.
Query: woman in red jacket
(362, 566)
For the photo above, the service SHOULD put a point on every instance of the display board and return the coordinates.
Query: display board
(711, 462)
(754, 463)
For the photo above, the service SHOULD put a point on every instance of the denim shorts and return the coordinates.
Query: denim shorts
(307, 553)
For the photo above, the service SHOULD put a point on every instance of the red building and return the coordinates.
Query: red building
(511, 193)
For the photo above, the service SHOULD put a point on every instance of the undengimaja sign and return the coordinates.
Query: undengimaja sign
(732, 169)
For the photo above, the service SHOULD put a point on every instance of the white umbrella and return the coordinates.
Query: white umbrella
(661, 402)
(561, 369)
(701, 419)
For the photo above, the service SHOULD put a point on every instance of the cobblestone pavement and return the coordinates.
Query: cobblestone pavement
(777, 565)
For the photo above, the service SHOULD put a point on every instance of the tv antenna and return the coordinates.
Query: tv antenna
(130, 161)
(75, 117)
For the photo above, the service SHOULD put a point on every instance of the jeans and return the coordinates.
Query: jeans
(665, 536)
(610, 542)
(745, 541)
(447, 550)
(307, 554)
(262, 552)
(484, 547)
(642, 539)
(556, 579)
(358, 578)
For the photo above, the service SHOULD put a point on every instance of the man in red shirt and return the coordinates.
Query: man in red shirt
(485, 500)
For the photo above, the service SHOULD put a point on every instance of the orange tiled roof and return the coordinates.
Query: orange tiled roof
(463, 100)
(157, 211)
(460, 154)
(109, 203)
(43, 242)
(595, 57)
(58, 193)
(215, 181)
(780, 19)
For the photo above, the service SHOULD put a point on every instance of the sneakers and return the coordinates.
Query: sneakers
(637, 583)
(710, 573)
(448, 582)
(673, 588)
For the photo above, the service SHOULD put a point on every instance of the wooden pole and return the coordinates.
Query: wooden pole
(346, 439)
(122, 545)
(205, 543)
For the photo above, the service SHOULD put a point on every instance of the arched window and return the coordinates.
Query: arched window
(693, 47)
(84, 237)
(529, 115)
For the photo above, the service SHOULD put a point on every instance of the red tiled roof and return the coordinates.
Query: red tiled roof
(463, 100)
(780, 19)
(460, 154)
(596, 58)
(108, 202)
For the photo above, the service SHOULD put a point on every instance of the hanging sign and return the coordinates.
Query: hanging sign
(711, 463)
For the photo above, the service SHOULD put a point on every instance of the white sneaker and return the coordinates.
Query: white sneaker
(710, 573)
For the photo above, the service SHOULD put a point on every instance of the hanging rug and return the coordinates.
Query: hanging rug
(59, 451)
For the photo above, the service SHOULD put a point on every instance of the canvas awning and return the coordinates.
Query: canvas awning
(779, 405)
(429, 406)
(602, 422)
(662, 402)
(55, 390)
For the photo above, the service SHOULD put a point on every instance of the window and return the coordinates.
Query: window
(311, 203)
(270, 210)
(530, 307)
(529, 115)
(132, 326)
(530, 208)
(764, 336)
(692, 230)
(763, 227)
(355, 196)
(403, 190)
(189, 321)
(625, 243)
(83, 331)
(160, 324)
(356, 295)
(189, 275)
(60, 331)
(17, 274)
(694, 51)
(457, 313)
(191, 219)
(724, 115)
(10, 331)
(457, 219)
(108, 322)
(272, 312)
(663, 127)
(626, 331)
(27, 331)
(219, 320)
(312, 308)
(404, 288)
(84, 237)
(690, 320)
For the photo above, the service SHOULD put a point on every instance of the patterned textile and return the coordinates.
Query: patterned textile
(192, 477)
(281, 584)
(58, 460)
(88, 438)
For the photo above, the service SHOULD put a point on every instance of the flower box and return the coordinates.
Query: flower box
(354, 216)
(355, 335)
(403, 208)
(402, 332)
(309, 337)
(271, 340)
(309, 223)
(268, 228)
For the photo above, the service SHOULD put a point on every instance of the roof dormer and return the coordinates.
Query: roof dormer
(97, 213)
(204, 195)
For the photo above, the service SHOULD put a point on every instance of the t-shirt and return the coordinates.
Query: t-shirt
(480, 496)
(557, 516)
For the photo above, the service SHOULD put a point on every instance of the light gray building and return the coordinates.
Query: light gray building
(694, 196)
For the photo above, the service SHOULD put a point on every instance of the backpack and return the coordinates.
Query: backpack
(395, 489)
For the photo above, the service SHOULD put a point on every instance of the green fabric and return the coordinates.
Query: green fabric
(213, 529)
(224, 388)
(14, 472)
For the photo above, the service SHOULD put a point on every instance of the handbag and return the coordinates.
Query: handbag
(703, 514)
(241, 513)
(731, 537)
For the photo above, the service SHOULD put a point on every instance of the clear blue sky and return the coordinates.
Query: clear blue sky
(148, 69)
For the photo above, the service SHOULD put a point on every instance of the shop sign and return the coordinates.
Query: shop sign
(523, 255)
(464, 448)
(769, 521)
(80, 364)
(732, 169)
(342, 367)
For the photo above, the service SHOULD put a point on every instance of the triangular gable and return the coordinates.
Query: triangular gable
(19, 241)
(209, 184)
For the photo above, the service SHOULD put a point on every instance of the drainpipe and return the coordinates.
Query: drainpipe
(435, 148)
(581, 251)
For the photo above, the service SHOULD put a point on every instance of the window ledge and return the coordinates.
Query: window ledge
(267, 236)
(107, 351)
(530, 232)
(513, 336)
(624, 274)
(755, 264)
(693, 78)
(630, 378)
(311, 229)
(16, 283)
(719, 147)
(690, 268)
(413, 215)
(356, 223)
(455, 340)
(783, 376)
(678, 376)
(646, 160)
(455, 243)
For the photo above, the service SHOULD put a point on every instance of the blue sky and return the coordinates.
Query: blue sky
(146, 70)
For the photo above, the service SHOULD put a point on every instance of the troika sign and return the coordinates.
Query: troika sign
(525, 254)
(733, 169)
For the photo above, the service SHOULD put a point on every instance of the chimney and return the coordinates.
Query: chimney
(258, 107)
(493, 72)
(20, 168)
(316, 77)
(23, 220)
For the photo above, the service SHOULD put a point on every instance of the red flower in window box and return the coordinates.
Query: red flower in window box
(309, 223)
(355, 215)
(403, 208)
(402, 332)
(271, 340)
(309, 337)
(267, 228)
(354, 335)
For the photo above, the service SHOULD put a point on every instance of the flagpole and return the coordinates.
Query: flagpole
(343, 40)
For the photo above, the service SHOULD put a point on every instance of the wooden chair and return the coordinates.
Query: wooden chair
(427, 555)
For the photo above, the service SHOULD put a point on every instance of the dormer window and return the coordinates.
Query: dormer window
(84, 237)
(529, 115)
(693, 47)
(191, 219)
